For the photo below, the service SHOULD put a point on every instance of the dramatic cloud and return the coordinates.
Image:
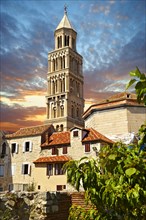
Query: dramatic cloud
(111, 39)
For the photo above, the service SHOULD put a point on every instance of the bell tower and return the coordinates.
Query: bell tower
(64, 98)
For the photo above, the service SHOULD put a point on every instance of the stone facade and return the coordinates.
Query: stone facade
(24, 147)
(117, 116)
(5, 178)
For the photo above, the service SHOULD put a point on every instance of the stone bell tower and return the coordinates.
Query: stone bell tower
(64, 98)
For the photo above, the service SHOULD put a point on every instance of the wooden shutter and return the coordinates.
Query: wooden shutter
(23, 147)
(87, 147)
(16, 150)
(30, 146)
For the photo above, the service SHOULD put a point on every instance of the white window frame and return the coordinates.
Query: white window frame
(29, 167)
(24, 146)
(2, 171)
(16, 148)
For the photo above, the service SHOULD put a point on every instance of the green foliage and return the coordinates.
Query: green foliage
(114, 184)
(140, 84)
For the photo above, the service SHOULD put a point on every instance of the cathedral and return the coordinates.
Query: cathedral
(65, 102)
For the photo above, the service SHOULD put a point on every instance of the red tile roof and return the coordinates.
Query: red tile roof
(93, 135)
(58, 138)
(53, 159)
(118, 100)
(29, 131)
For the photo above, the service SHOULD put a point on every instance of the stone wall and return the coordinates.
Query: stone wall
(35, 206)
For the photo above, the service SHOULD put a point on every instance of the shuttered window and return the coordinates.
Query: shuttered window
(87, 147)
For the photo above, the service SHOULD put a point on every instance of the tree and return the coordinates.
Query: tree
(139, 79)
(115, 182)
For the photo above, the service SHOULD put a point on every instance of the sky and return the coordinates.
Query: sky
(111, 39)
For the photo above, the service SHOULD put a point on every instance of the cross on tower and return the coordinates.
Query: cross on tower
(65, 9)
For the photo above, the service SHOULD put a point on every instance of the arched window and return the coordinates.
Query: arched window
(54, 112)
(53, 65)
(58, 42)
(53, 87)
(56, 85)
(61, 127)
(63, 62)
(63, 85)
(57, 127)
(56, 64)
(62, 111)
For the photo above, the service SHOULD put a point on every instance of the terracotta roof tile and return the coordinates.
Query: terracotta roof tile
(93, 135)
(53, 159)
(58, 138)
(29, 131)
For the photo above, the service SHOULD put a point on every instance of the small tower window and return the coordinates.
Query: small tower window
(57, 128)
(61, 127)
(62, 111)
(54, 111)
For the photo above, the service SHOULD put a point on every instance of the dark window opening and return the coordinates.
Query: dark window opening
(27, 146)
(64, 151)
(39, 187)
(60, 187)
(75, 133)
(54, 151)
(13, 148)
(25, 169)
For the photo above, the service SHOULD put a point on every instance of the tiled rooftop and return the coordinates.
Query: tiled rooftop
(118, 100)
(53, 159)
(29, 131)
(93, 135)
(58, 138)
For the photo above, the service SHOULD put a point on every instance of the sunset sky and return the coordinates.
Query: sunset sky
(111, 39)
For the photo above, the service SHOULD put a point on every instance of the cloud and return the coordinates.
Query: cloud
(20, 117)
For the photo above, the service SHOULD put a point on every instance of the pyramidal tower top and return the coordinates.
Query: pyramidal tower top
(65, 23)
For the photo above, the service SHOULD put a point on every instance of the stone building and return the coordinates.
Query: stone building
(118, 117)
(5, 178)
(61, 147)
(24, 147)
(64, 98)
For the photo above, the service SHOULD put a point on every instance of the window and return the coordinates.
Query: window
(1, 170)
(26, 169)
(75, 133)
(1, 188)
(49, 169)
(14, 148)
(59, 169)
(27, 146)
(3, 153)
(60, 187)
(54, 151)
(64, 150)
(87, 147)
(61, 127)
